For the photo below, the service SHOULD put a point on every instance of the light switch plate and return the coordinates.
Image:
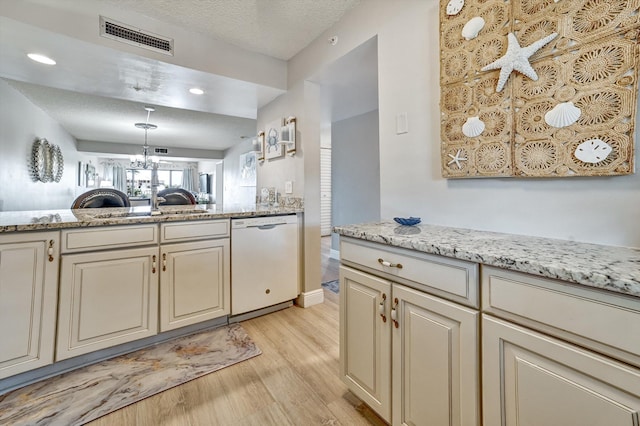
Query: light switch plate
(402, 123)
(288, 187)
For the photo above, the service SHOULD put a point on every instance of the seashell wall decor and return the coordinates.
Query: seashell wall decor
(472, 28)
(563, 115)
(593, 151)
(570, 107)
(473, 127)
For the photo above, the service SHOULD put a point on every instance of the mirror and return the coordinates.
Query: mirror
(89, 101)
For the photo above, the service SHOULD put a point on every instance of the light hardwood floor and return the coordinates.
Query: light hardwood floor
(294, 382)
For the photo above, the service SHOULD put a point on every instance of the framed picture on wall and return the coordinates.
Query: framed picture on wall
(90, 175)
(247, 169)
(272, 149)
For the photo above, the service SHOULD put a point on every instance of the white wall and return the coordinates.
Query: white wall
(21, 123)
(276, 171)
(355, 175)
(601, 210)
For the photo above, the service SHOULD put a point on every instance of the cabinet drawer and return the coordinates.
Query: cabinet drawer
(452, 279)
(194, 230)
(605, 322)
(108, 237)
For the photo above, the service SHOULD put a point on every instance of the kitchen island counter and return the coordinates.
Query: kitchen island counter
(38, 220)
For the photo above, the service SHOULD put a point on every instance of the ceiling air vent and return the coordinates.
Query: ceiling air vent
(161, 150)
(115, 30)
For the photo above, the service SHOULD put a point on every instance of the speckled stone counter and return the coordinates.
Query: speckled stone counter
(63, 219)
(607, 267)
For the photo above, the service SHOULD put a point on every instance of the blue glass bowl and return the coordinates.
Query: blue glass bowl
(407, 220)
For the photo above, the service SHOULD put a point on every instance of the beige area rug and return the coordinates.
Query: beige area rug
(90, 392)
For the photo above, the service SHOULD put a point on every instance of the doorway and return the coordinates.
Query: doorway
(349, 141)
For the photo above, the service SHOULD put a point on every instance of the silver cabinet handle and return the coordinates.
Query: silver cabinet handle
(389, 264)
(381, 308)
(394, 313)
(50, 250)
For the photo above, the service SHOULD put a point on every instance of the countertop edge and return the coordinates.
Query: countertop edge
(621, 280)
(51, 220)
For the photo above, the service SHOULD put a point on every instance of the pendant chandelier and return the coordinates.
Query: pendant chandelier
(145, 160)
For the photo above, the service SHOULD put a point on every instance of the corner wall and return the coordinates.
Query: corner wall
(602, 210)
(21, 123)
(355, 177)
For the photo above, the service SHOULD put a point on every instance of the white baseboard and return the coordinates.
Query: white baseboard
(310, 298)
(334, 254)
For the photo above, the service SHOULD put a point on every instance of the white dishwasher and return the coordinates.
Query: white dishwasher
(264, 262)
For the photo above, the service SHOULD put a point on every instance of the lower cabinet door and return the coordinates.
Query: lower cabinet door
(194, 283)
(365, 338)
(28, 295)
(106, 298)
(533, 380)
(435, 361)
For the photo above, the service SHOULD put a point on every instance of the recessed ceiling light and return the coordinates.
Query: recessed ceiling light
(41, 58)
(196, 91)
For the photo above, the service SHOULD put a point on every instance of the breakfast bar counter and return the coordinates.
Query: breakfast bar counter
(39, 220)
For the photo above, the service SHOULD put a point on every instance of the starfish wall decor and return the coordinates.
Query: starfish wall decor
(457, 159)
(575, 87)
(517, 58)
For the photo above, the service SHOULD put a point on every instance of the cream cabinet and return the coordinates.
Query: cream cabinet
(435, 360)
(365, 338)
(535, 380)
(194, 278)
(107, 297)
(411, 356)
(556, 353)
(28, 295)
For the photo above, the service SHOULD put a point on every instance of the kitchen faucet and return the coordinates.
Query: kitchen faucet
(155, 200)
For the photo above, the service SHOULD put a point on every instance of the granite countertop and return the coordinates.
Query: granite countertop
(611, 268)
(62, 219)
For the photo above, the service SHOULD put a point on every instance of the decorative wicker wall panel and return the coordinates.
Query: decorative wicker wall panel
(592, 63)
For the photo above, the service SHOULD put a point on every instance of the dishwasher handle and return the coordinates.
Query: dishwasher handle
(265, 227)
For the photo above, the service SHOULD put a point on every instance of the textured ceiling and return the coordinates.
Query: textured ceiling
(100, 99)
(278, 28)
(98, 118)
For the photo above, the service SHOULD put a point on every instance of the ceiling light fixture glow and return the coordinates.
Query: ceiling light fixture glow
(135, 161)
(41, 58)
(196, 91)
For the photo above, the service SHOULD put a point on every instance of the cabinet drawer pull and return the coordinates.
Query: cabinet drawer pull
(381, 307)
(153, 264)
(394, 313)
(50, 251)
(164, 262)
(389, 264)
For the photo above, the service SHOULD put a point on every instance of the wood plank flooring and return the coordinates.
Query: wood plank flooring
(294, 382)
